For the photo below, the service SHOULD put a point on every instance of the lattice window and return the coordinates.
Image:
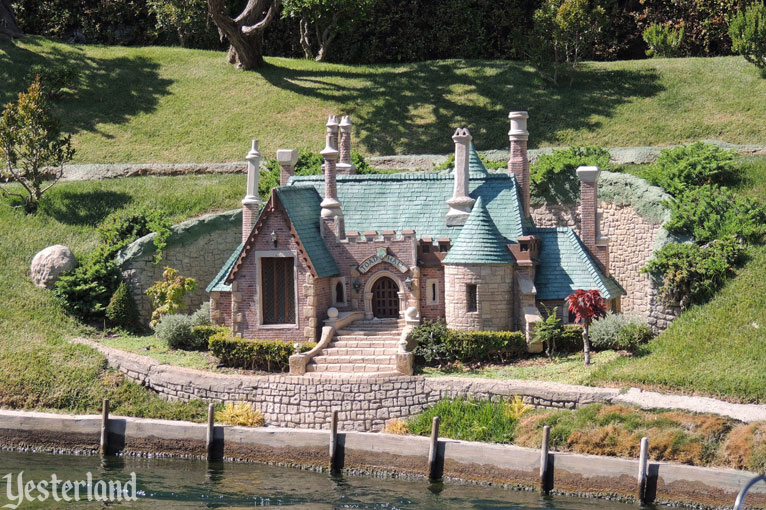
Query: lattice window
(278, 290)
(472, 302)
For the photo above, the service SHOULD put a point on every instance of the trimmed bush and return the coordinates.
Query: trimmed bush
(748, 34)
(571, 339)
(436, 344)
(202, 316)
(663, 41)
(202, 334)
(176, 331)
(122, 310)
(269, 355)
(633, 335)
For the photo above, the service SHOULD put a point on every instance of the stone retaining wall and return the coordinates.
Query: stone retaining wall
(365, 403)
(198, 248)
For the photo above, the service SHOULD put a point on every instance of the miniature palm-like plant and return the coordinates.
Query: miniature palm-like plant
(587, 306)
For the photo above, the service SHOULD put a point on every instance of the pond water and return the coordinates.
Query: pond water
(169, 484)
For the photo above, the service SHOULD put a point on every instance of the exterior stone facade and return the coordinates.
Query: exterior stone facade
(197, 248)
(493, 297)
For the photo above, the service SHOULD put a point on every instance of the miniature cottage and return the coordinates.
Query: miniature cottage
(457, 245)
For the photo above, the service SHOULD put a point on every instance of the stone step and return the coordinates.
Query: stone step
(350, 368)
(363, 332)
(366, 343)
(358, 351)
(355, 360)
(369, 338)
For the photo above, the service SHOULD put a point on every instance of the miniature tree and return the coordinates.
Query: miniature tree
(587, 305)
(168, 294)
(748, 34)
(29, 141)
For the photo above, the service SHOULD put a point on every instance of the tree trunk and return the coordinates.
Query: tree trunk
(305, 42)
(586, 345)
(245, 32)
(8, 25)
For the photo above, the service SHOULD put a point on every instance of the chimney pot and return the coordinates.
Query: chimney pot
(345, 166)
(287, 158)
(518, 162)
(460, 204)
(251, 203)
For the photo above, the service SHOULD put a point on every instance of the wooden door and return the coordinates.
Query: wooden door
(385, 299)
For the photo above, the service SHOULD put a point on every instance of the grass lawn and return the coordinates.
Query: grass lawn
(157, 349)
(38, 368)
(156, 104)
(566, 368)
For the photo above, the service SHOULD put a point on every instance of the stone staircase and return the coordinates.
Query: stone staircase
(366, 347)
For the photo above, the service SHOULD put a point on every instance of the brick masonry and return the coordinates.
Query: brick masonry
(364, 403)
(632, 241)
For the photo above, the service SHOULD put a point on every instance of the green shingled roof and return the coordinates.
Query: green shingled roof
(418, 201)
(302, 204)
(219, 282)
(565, 265)
(479, 242)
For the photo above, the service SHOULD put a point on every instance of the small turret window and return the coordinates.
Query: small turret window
(339, 297)
(338, 291)
(472, 303)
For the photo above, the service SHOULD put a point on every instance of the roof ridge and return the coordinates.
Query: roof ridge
(410, 176)
(593, 268)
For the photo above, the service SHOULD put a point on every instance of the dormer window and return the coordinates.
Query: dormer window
(426, 248)
(524, 246)
(443, 247)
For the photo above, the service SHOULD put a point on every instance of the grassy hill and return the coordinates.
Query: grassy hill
(159, 104)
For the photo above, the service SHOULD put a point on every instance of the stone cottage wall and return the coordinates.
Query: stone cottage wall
(197, 248)
(633, 238)
(494, 283)
(432, 312)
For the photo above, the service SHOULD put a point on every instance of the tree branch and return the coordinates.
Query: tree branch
(265, 21)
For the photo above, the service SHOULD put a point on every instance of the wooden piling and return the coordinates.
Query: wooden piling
(433, 451)
(334, 443)
(104, 442)
(642, 470)
(544, 467)
(210, 432)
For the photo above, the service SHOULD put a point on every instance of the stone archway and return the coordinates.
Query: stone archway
(369, 313)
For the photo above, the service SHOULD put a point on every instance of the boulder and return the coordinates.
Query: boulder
(49, 263)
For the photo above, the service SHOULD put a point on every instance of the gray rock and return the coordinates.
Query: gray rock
(49, 263)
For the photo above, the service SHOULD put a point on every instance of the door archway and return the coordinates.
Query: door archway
(385, 298)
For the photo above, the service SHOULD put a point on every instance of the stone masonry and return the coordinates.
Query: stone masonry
(494, 284)
(197, 248)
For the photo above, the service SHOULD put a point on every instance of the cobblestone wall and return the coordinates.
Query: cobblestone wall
(197, 248)
(494, 283)
(364, 403)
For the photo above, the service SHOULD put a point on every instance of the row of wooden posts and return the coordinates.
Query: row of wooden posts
(434, 466)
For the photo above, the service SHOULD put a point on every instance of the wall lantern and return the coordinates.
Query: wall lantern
(357, 285)
(274, 238)
(408, 283)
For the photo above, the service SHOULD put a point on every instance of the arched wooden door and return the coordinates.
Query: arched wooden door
(385, 299)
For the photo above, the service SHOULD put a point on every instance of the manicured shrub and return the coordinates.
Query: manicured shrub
(633, 335)
(663, 41)
(604, 331)
(54, 78)
(176, 330)
(470, 420)
(201, 335)
(553, 176)
(86, 290)
(748, 34)
(240, 414)
(122, 310)
(269, 355)
(710, 212)
(689, 273)
(436, 345)
(571, 339)
(202, 316)
(684, 168)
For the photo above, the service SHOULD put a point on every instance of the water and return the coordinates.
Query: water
(170, 484)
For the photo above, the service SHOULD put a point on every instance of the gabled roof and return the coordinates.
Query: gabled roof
(566, 265)
(302, 205)
(418, 201)
(219, 282)
(479, 242)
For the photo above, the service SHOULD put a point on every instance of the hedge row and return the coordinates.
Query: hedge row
(269, 355)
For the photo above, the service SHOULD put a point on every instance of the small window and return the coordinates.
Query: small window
(426, 248)
(338, 291)
(443, 247)
(570, 316)
(523, 246)
(472, 304)
(432, 291)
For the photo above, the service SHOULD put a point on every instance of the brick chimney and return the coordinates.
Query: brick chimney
(332, 214)
(518, 163)
(286, 159)
(460, 204)
(590, 231)
(251, 204)
(345, 167)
